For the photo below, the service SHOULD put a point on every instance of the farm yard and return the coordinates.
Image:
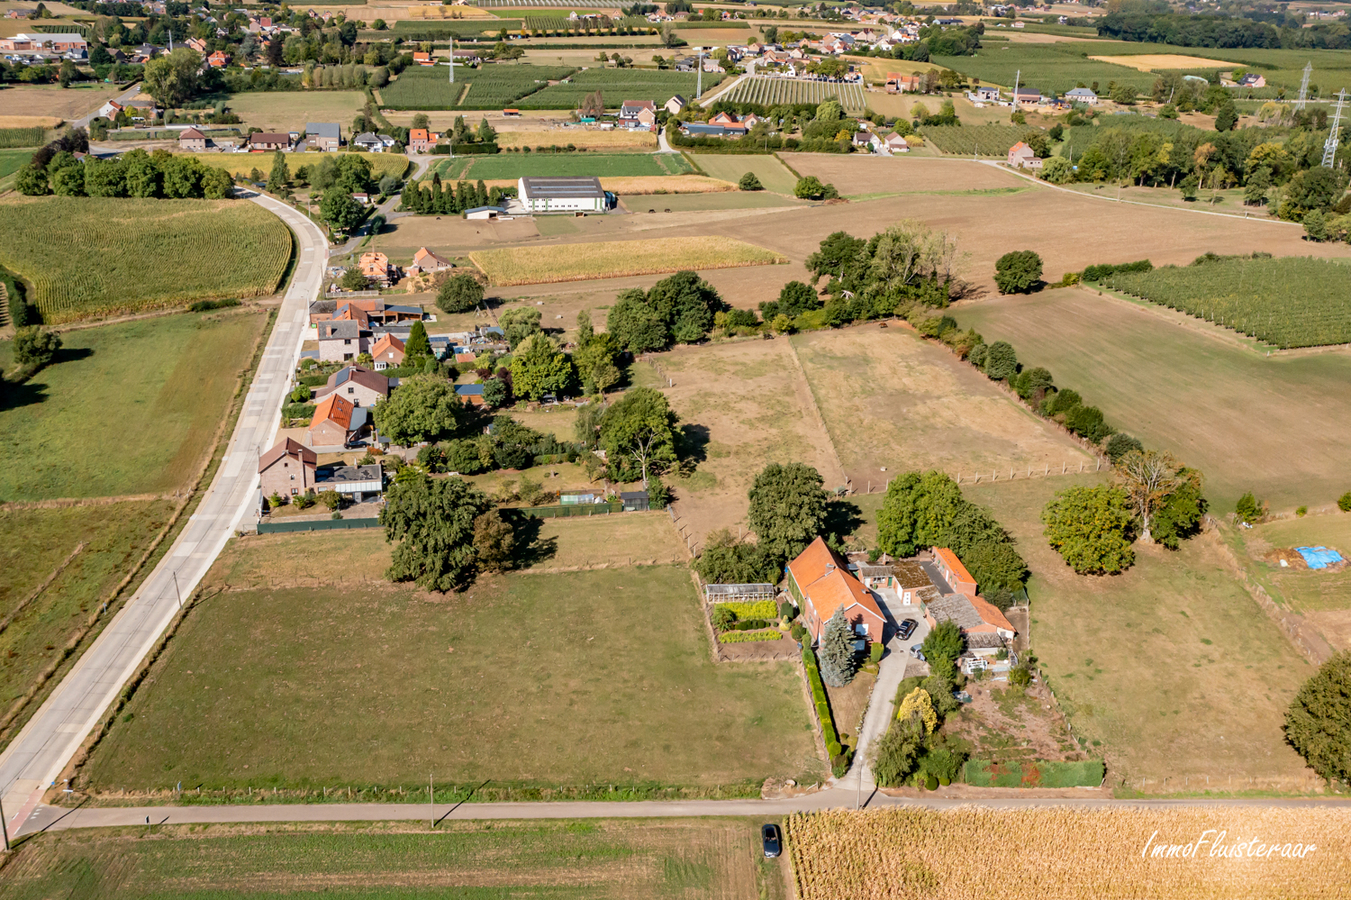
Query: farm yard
(770, 91)
(982, 140)
(510, 167)
(661, 859)
(614, 259)
(894, 402)
(1286, 302)
(489, 88)
(128, 408)
(1192, 389)
(94, 256)
(371, 661)
(1069, 854)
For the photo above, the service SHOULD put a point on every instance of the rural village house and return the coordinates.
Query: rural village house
(1022, 157)
(287, 469)
(358, 386)
(820, 583)
(387, 353)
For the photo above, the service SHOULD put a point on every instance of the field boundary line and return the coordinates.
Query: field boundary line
(47, 582)
(821, 420)
(68, 502)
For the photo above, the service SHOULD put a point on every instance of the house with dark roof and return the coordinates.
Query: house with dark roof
(470, 394)
(190, 140)
(820, 583)
(265, 141)
(340, 340)
(323, 135)
(287, 469)
(358, 386)
(353, 481)
(638, 114)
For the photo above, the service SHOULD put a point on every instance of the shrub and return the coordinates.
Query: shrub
(1318, 722)
(1018, 272)
(1020, 676)
(1121, 444)
(331, 499)
(1344, 502)
(799, 633)
(1302, 511)
(207, 305)
(875, 652)
(788, 611)
(748, 637)
(749, 182)
(1000, 361)
(1248, 509)
(762, 609)
(723, 618)
(304, 501)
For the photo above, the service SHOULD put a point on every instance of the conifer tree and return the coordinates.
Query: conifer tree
(839, 662)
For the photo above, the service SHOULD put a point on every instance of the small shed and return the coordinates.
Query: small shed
(635, 501)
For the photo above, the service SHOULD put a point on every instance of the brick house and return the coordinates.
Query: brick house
(265, 141)
(387, 353)
(425, 260)
(986, 628)
(287, 469)
(953, 572)
(420, 140)
(340, 340)
(218, 60)
(332, 423)
(323, 135)
(358, 386)
(191, 140)
(374, 264)
(638, 114)
(1022, 157)
(820, 583)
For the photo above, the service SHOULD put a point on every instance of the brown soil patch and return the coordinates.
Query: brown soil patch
(1008, 723)
(1291, 558)
(881, 174)
(758, 651)
(1148, 62)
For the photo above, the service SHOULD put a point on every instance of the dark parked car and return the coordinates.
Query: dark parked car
(908, 628)
(773, 846)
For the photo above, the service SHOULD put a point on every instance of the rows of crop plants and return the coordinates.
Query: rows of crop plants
(456, 27)
(616, 86)
(21, 137)
(770, 91)
(1047, 68)
(557, 165)
(1285, 302)
(87, 255)
(543, 26)
(489, 88)
(547, 4)
(974, 140)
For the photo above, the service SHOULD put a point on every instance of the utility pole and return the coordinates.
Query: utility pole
(431, 800)
(452, 59)
(177, 592)
(1330, 147)
(699, 89)
(4, 827)
(1304, 87)
(1017, 76)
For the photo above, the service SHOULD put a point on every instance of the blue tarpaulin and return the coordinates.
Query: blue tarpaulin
(1319, 557)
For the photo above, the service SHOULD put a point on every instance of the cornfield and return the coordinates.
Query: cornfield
(1068, 854)
(87, 256)
(489, 88)
(21, 137)
(617, 259)
(1286, 302)
(978, 140)
(769, 91)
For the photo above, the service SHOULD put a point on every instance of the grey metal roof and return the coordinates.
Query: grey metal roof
(955, 608)
(366, 137)
(350, 475)
(563, 188)
(323, 129)
(469, 390)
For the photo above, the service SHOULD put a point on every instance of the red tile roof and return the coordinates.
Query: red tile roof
(826, 579)
(335, 409)
(287, 447)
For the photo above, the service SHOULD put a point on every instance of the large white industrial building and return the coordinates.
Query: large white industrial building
(562, 195)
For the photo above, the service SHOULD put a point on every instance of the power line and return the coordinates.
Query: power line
(1330, 147)
(1304, 87)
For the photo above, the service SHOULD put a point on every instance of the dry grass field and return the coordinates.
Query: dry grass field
(894, 402)
(1278, 425)
(626, 141)
(1169, 670)
(627, 185)
(28, 121)
(670, 859)
(243, 163)
(290, 110)
(1321, 597)
(612, 259)
(1151, 61)
(899, 854)
(751, 406)
(50, 100)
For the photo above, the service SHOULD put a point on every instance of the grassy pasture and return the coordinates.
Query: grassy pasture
(892, 400)
(598, 677)
(618, 85)
(1321, 597)
(290, 110)
(128, 408)
(88, 256)
(773, 174)
(652, 858)
(615, 259)
(12, 161)
(1171, 665)
(1274, 425)
(51, 100)
(554, 165)
(33, 545)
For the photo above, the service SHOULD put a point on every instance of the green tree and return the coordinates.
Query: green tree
(1149, 478)
(638, 435)
(433, 521)
(32, 182)
(787, 508)
(539, 368)
(459, 293)
(1001, 362)
(339, 210)
(943, 645)
(419, 346)
(597, 363)
(485, 134)
(1318, 722)
(424, 408)
(809, 188)
(686, 303)
(1248, 509)
(35, 347)
(839, 659)
(496, 393)
(1227, 117)
(519, 324)
(1057, 170)
(280, 176)
(749, 182)
(917, 512)
(1091, 528)
(1018, 272)
(494, 541)
(173, 79)
(727, 560)
(636, 327)
(69, 181)
(837, 252)
(353, 279)
(795, 298)
(1344, 502)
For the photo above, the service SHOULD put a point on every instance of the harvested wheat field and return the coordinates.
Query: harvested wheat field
(855, 174)
(892, 400)
(52, 102)
(1069, 854)
(745, 405)
(612, 259)
(29, 121)
(627, 185)
(1148, 62)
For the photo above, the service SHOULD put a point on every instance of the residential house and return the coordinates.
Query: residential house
(142, 110)
(903, 84)
(365, 312)
(340, 340)
(703, 129)
(358, 386)
(266, 141)
(325, 136)
(332, 423)
(987, 630)
(196, 44)
(895, 143)
(638, 114)
(420, 140)
(1082, 95)
(218, 60)
(49, 43)
(362, 197)
(423, 59)
(369, 141)
(470, 394)
(425, 260)
(820, 583)
(1022, 157)
(354, 481)
(985, 93)
(1250, 80)
(1026, 95)
(287, 469)
(190, 140)
(866, 139)
(375, 265)
(387, 353)
(675, 104)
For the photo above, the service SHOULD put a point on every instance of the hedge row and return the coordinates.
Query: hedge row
(208, 305)
(747, 637)
(761, 609)
(298, 411)
(839, 759)
(1098, 273)
(1034, 773)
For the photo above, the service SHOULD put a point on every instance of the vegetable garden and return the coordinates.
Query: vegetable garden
(982, 140)
(1286, 302)
(769, 91)
(489, 88)
(86, 256)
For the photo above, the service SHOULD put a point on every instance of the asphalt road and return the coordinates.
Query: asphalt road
(129, 94)
(36, 757)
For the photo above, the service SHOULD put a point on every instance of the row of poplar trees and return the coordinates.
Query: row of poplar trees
(442, 199)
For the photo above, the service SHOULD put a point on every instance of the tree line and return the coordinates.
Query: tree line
(133, 174)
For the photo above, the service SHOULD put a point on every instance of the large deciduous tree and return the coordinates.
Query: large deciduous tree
(173, 79)
(1017, 272)
(433, 521)
(636, 327)
(459, 293)
(1150, 479)
(1091, 528)
(1318, 722)
(638, 435)
(424, 408)
(787, 508)
(539, 368)
(339, 210)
